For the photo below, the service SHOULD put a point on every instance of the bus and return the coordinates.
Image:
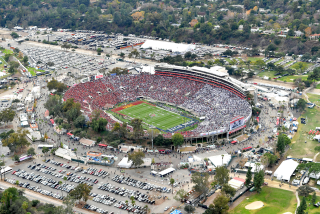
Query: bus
(25, 157)
(41, 146)
(247, 149)
(5, 170)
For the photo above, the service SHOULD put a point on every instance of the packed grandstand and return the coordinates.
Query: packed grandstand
(219, 106)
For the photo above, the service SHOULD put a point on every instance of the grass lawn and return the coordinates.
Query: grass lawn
(253, 59)
(292, 78)
(275, 201)
(267, 73)
(33, 71)
(314, 98)
(310, 208)
(155, 116)
(7, 51)
(300, 149)
(318, 86)
(278, 61)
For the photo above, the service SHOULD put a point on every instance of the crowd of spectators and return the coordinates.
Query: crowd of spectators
(217, 105)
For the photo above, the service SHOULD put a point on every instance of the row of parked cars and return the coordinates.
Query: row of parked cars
(43, 180)
(96, 209)
(36, 189)
(142, 185)
(107, 200)
(64, 165)
(126, 193)
(96, 172)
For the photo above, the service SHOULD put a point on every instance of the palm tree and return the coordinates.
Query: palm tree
(105, 159)
(60, 182)
(44, 151)
(172, 182)
(127, 204)
(146, 208)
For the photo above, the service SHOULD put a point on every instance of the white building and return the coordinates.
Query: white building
(169, 46)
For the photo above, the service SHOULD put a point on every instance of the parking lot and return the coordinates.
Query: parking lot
(110, 188)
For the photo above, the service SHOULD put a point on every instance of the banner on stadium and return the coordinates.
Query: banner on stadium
(236, 122)
(99, 76)
(212, 133)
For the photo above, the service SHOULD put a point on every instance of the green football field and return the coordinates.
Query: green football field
(162, 118)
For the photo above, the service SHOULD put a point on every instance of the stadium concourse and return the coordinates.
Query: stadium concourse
(219, 106)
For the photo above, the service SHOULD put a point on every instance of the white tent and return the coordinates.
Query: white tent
(254, 166)
(170, 46)
(124, 163)
(236, 184)
(65, 153)
(285, 170)
(217, 159)
(166, 171)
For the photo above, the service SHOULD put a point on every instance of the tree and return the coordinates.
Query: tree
(221, 204)
(314, 49)
(317, 148)
(201, 182)
(258, 180)
(31, 151)
(44, 151)
(180, 195)
(119, 71)
(50, 63)
(222, 175)
(122, 55)
(271, 158)
(248, 178)
(177, 139)
(314, 198)
(99, 125)
(189, 208)
(14, 35)
(172, 182)
(280, 146)
(25, 60)
(260, 63)
(308, 31)
(229, 190)
(300, 66)
(82, 191)
(301, 104)
(137, 128)
(136, 158)
(305, 190)
(134, 53)
(80, 121)
(99, 51)
(25, 205)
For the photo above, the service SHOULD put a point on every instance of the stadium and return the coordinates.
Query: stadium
(197, 102)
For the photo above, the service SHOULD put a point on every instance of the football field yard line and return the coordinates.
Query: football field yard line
(163, 119)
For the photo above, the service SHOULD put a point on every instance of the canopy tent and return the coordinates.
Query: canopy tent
(233, 142)
(52, 121)
(102, 145)
(285, 170)
(176, 212)
(166, 171)
(217, 160)
(24, 124)
(124, 163)
(254, 166)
